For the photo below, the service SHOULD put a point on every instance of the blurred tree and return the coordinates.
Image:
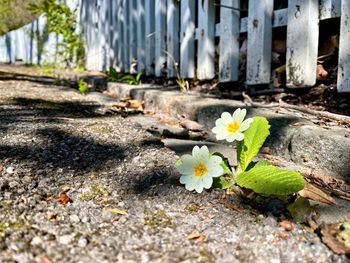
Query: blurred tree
(15, 14)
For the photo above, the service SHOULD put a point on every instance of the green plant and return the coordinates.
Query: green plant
(183, 84)
(131, 79)
(60, 19)
(201, 169)
(82, 86)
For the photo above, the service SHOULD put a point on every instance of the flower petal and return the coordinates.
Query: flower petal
(190, 182)
(245, 125)
(241, 115)
(239, 136)
(207, 182)
(199, 186)
(215, 170)
(236, 113)
(214, 160)
(187, 164)
(226, 117)
(201, 154)
(231, 137)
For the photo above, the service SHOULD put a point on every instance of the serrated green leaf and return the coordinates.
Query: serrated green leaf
(254, 138)
(257, 164)
(222, 183)
(269, 180)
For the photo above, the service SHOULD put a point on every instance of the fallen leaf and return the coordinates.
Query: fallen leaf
(312, 192)
(117, 211)
(63, 199)
(230, 205)
(330, 237)
(196, 236)
(287, 225)
(300, 209)
(92, 176)
(191, 125)
(45, 259)
(266, 150)
(65, 189)
(49, 198)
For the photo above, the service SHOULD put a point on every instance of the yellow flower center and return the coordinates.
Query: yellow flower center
(233, 127)
(200, 169)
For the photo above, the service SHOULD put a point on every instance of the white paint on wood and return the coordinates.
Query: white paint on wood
(259, 41)
(132, 20)
(141, 36)
(329, 8)
(150, 36)
(160, 41)
(173, 41)
(206, 40)
(343, 82)
(187, 69)
(229, 41)
(120, 36)
(302, 43)
(126, 38)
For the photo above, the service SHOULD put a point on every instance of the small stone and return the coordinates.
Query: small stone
(65, 240)
(74, 219)
(85, 219)
(10, 170)
(36, 241)
(287, 225)
(82, 242)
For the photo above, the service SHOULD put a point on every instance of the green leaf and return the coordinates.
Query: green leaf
(222, 183)
(138, 77)
(269, 180)
(254, 138)
(257, 164)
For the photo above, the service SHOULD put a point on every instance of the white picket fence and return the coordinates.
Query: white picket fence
(158, 33)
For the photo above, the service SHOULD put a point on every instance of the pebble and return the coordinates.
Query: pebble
(65, 240)
(36, 241)
(82, 242)
(74, 219)
(10, 170)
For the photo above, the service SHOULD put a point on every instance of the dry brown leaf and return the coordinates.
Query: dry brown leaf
(63, 199)
(45, 259)
(191, 125)
(329, 237)
(117, 211)
(230, 205)
(196, 236)
(312, 192)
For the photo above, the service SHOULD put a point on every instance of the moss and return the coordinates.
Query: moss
(95, 193)
(159, 219)
(192, 207)
(206, 256)
(11, 225)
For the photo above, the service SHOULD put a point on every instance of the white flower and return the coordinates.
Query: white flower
(199, 169)
(230, 127)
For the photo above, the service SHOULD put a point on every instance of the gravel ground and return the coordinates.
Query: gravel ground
(125, 201)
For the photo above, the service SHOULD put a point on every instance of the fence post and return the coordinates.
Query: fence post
(132, 34)
(150, 36)
(259, 41)
(120, 30)
(160, 41)
(126, 26)
(173, 41)
(141, 36)
(302, 43)
(229, 41)
(206, 40)
(344, 49)
(187, 36)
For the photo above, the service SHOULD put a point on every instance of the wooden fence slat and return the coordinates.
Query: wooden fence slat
(187, 65)
(206, 40)
(120, 39)
(132, 34)
(126, 38)
(150, 36)
(141, 36)
(160, 37)
(302, 39)
(259, 41)
(344, 49)
(173, 41)
(329, 8)
(229, 41)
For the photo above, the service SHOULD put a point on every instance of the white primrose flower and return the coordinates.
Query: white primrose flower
(199, 169)
(230, 127)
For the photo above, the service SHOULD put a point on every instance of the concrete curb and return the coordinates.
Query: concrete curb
(293, 137)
